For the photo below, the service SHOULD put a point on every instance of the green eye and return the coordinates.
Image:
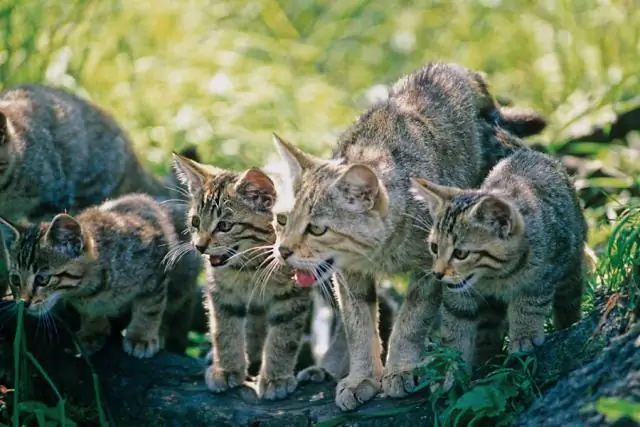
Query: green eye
(317, 230)
(460, 254)
(224, 226)
(41, 279)
(282, 219)
(434, 248)
(14, 280)
(195, 222)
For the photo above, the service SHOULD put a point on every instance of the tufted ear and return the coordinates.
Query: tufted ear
(498, 216)
(434, 195)
(257, 188)
(362, 189)
(10, 232)
(296, 159)
(192, 173)
(65, 235)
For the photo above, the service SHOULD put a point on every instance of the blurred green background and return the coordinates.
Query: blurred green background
(224, 74)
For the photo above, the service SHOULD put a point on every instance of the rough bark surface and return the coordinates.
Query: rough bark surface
(168, 390)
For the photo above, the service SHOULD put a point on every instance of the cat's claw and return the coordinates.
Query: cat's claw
(219, 380)
(314, 374)
(354, 391)
(399, 384)
(525, 345)
(276, 388)
(141, 347)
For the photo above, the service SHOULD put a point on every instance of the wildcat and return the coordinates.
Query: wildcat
(352, 217)
(230, 223)
(510, 253)
(104, 261)
(59, 152)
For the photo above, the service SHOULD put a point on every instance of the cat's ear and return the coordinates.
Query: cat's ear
(363, 190)
(257, 188)
(190, 172)
(295, 159)
(10, 232)
(498, 216)
(433, 195)
(65, 235)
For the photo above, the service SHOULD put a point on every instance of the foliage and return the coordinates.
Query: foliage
(614, 409)
(224, 74)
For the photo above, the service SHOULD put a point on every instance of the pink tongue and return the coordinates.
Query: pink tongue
(304, 278)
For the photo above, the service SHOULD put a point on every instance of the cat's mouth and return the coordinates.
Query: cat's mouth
(223, 259)
(306, 279)
(463, 284)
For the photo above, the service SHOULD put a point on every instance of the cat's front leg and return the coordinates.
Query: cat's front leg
(417, 319)
(286, 319)
(93, 333)
(526, 313)
(459, 324)
(142, 336)
(227, 329)
(358, 303)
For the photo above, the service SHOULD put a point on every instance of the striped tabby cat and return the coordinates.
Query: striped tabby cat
(104, 261)
(230, 222)
(510, 253)
(353, 218)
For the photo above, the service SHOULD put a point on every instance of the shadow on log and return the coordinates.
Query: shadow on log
(168, 390)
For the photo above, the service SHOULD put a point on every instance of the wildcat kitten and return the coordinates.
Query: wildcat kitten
(512, 250)
(353, 217)
(230, 223)
(102, 262)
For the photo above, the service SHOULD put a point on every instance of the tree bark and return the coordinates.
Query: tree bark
(168, 389)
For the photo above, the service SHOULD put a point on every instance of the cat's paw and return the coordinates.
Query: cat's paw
(398, 384)
(525, 345)
(314, 374)
(218, 380)
(91, 343)
(141, 346)
(276, 388)
(354, 391)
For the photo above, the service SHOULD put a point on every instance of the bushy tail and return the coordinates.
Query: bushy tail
(521, 122)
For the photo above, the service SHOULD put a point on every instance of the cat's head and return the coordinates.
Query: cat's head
(328, 214)
(46, 261)
(230, 213)
(474, 235)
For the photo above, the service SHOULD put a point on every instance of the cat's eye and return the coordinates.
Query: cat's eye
(282, 219)
(41, 279)
(224, 226)
(433, 248)
(14, 280)
(460, 254)
(195, 222)
(317, 230)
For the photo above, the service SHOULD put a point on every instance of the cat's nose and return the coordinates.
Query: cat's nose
(285, 252)
(438, 275)
(201, 248)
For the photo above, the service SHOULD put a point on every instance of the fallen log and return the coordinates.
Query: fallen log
(168, 389)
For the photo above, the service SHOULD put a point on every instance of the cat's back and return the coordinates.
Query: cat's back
(541, 187)
(135, 223)
(427, 127)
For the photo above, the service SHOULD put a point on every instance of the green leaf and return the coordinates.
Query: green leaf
(614, 409)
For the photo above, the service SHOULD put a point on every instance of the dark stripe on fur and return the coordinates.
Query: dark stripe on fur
(231, 310)
(281, 318)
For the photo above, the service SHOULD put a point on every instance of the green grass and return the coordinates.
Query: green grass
(224, 74)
